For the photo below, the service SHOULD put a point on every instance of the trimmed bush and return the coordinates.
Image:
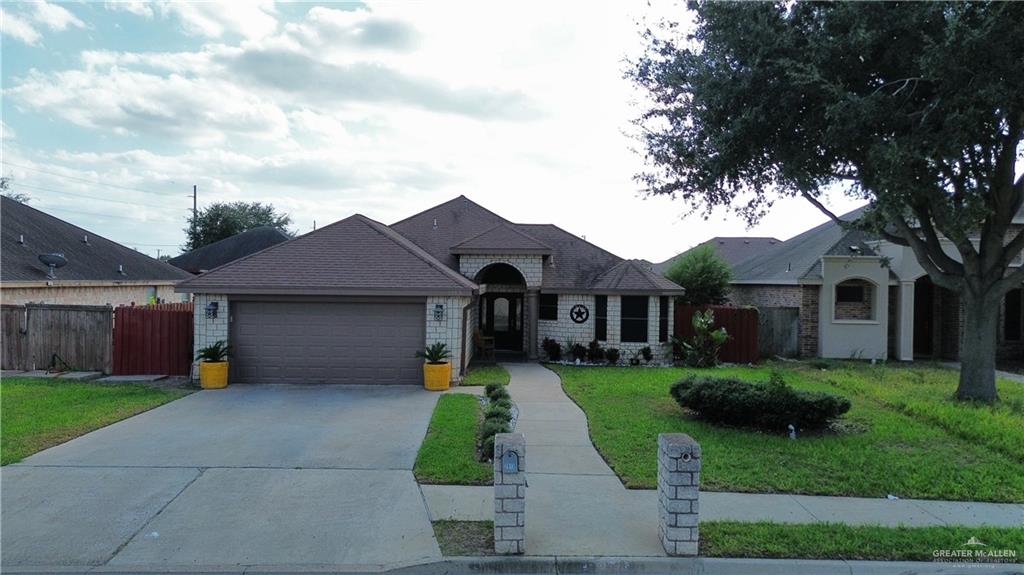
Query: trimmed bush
(772, 406)
(612, 355)
(595, 352)
(487, 448)
(499, 393)
(494, 426)
(498, 412)
(505, 402)
(492, 388)
(552, 348)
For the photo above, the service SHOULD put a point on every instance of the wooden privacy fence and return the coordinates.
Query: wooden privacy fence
(739, 322)
(153, 339)
(60, 337)
(778, 328)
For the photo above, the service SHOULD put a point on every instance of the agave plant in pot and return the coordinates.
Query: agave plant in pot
(213, 365)
(437, 372)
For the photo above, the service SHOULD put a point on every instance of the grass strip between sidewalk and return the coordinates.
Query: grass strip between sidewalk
(448, 453)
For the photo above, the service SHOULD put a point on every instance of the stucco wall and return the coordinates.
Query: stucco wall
(113, 295)
(449, 329)
(850, 338)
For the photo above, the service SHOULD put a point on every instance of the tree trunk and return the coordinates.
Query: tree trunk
(978, 348)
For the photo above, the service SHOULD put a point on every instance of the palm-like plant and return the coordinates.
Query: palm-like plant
(213, 353)
(435, 353)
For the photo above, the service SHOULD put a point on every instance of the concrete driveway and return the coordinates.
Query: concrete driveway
(270, 476)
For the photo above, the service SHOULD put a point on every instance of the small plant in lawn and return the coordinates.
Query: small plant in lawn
(552, 348)
(435, 353)
(499, 412)
(702, 350)
(773, 405)
(595, 352)
(612, 355)
(213, 353)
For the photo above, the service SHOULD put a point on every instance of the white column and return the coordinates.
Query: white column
(905, 323)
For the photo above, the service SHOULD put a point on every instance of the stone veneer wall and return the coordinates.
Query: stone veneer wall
(449, 329)
(766, 295)
(808, 330)
(564, 329)
(531, 267)
(210, 331)
(113, 295)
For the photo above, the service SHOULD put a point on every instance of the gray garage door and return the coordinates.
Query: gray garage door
(364, 343)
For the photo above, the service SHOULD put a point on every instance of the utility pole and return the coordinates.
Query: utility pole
(195, 212)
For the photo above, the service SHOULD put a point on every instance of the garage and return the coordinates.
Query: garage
(326, 342)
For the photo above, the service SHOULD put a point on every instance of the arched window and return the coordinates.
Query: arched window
(854, 300)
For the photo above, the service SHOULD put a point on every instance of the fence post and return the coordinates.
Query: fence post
(509, 493)
(678, 493)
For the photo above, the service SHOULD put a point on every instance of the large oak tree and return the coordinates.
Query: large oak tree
(917, 107)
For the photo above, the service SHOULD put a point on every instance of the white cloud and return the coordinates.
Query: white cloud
(137, 7)
(331, 28)
(253, 20)
(54, 17)
(18, 28)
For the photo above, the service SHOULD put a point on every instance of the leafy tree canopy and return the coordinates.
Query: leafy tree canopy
(225, 219)
(703, 273)
(917, 107)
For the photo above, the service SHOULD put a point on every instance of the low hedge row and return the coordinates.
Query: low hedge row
(497, 418)
(772, 405)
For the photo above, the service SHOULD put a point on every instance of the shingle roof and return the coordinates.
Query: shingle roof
(97, 260)
(439, 228)
(229, 249)
(503, 237)
(731, 249)
(799, 257)
(633, 276)
(354, 256)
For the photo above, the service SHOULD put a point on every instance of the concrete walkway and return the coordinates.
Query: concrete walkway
(577, 506)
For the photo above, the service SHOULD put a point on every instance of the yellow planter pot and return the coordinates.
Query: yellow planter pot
(213, 374)
(436, 376)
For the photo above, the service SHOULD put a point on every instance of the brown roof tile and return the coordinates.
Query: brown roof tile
(504, 238)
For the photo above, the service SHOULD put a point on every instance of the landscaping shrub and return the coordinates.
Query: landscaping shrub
(772, 406)
(487, 448)
(647, 354)
(612, 355)
(505, 402)
(702, 350)
(595, 352)
(498, 412)
(578, 351)
(491, 427)
(492, 388)
(552, 348)
(498, 393)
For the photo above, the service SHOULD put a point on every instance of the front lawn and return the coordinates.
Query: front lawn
(904, 434)
(448, 453)
(464, 538)
(41, 413)
(851, 542)
(484, 374)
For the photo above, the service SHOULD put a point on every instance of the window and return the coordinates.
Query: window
(501, 317)
(1012, 319)
(854, 300)
(663, 318)
(633, 324)
(601, 318)
(849, 293)
(549, 306)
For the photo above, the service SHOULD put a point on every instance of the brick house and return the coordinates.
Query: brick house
(353, 301)
(860, 296)
(96, 271)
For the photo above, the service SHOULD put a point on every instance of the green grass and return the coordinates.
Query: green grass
(484, 374)
(904, 435)
(852, 542)
(472, 538)
(448, 453)
(41, 413)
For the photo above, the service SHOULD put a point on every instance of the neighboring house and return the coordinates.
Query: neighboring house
(731, 249)
(353, 301)
(229, 249)
(97, 270)
(860, 296)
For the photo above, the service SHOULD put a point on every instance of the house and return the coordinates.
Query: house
(88, 269)
(732, 250)
(353, 301)
(859, 296)
(229, 249)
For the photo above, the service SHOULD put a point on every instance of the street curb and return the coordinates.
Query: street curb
(572, 566)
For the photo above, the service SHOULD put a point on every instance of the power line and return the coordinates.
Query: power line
(88, 181)
(40, 188)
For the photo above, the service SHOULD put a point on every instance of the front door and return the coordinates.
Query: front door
(502, 318)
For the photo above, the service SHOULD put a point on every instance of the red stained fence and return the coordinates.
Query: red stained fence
(153, 339)
(739, 322)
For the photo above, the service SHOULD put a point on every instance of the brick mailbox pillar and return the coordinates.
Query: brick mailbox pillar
(678, 492)
(509, 493)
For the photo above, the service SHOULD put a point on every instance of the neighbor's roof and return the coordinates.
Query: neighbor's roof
(97, 260)
(731, 249)
(229, 249)
(633, 276)
(503, 238)
(354, 256)
(799, 258)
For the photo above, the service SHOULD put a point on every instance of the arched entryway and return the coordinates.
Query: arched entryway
(501, 312)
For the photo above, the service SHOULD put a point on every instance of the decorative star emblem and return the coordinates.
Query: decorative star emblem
(579, 313)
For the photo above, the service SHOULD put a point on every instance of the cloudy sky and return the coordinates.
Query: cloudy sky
(113, 111)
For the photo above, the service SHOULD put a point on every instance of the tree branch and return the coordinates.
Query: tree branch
(807, 196)
(940, 277)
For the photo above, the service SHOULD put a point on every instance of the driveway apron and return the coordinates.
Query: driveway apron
(267, 475)
(575, 503)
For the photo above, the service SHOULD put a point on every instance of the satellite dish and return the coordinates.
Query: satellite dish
(53, 261)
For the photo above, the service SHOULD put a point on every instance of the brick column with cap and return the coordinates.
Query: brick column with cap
(678, 493)
(509, 493)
